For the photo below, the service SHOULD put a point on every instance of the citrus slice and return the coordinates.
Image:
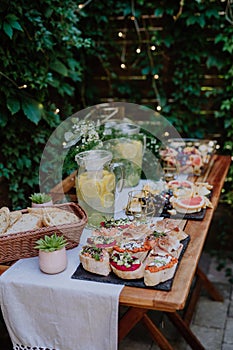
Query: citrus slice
(89, 188)
(180, 183)
(129, 150)
(108, 183)
(107, 200)
(189, 205)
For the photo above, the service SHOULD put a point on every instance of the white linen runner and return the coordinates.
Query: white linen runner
(56, 312)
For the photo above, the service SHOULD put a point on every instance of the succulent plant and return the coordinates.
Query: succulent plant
(40, 198)
(51, 243)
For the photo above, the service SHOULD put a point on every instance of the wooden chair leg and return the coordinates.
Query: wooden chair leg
(184, 329)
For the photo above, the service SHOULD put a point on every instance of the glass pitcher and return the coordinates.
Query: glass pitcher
(127, 149)
(96, 185)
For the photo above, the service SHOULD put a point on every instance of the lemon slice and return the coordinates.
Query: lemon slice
(89, 188)
(107, 200)
(108, 183)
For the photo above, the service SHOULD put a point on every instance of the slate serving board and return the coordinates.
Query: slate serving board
(81, 274)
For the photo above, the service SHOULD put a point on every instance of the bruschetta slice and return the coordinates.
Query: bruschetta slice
(95, 260)
(126, 266)
(159, 268)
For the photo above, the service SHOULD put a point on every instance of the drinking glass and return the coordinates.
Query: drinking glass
(140, 206)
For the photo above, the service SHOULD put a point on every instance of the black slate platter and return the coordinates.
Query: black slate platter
(81, 274)
(192, 216)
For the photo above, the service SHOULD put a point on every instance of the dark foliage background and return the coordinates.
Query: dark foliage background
(57, 59)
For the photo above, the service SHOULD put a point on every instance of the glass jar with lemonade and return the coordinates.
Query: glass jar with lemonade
(95, 185)
(127, 148)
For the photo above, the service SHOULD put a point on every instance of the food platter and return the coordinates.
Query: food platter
(81, 274)
(187, 155)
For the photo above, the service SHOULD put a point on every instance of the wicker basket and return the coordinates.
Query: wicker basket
(21, 245)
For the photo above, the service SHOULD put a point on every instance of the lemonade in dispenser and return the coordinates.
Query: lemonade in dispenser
(95, 185)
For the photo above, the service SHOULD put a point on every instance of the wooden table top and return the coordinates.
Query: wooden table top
(176, 298)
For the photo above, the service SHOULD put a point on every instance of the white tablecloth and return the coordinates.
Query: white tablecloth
(56, 312)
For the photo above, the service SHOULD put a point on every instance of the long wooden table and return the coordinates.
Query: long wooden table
(141, 300)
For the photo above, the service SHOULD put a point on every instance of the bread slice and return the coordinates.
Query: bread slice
(43, 210)
(126, 266)
(27, 222)
(159, 269)
(4, 219)
(95, 260)
(14, 216)
(59, 217)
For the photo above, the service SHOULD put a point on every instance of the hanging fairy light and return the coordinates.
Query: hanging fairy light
(150, 49)
(81, 6)
(121, 35)
(24, 86)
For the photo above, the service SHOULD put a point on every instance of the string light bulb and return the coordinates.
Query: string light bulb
(158, 108)
(57, 110)
(121, 35)
(156, 76)
(138, 50)
(153, 47)
(123, 66)
(24, 86)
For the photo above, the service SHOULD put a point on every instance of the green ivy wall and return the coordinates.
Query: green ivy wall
(56, 59)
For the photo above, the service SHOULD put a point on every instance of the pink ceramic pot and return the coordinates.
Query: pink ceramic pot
(53, 262)
(37, 205)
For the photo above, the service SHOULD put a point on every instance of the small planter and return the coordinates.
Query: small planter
(39, 205)
(52, 253)
(41, 200)
(53, 262)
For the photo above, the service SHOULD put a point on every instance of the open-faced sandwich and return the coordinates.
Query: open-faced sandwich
(95, 260)
(137, 247)
(126, 265)
(171, 227)
(102, 242)
(159, 268)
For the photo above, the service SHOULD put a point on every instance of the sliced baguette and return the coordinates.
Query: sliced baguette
(27, 222)
(4, 219)
(160, 273)
(61, 217)
(99, 267)
(129, 275)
